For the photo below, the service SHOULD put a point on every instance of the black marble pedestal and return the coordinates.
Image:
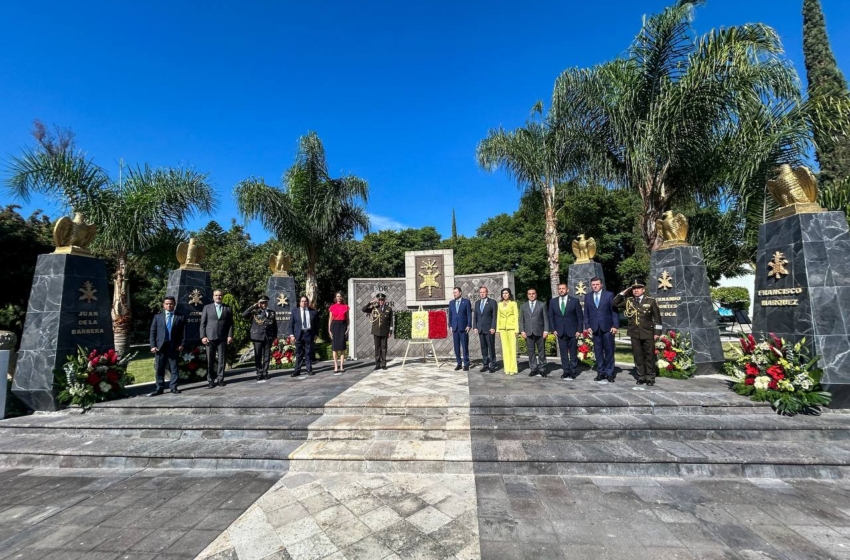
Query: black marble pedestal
(679, 283)
(809, 295)
(284, 298)
(579, 277)
(193, 290)
(69, 306)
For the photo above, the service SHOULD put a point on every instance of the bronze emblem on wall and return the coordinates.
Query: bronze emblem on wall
(429, 269)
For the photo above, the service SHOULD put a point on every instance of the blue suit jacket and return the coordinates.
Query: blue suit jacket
(571, 321)
(461, 319)
(158, 330)
(296, 325)
(605, 317)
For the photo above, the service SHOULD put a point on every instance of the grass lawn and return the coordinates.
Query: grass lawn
(141, 367)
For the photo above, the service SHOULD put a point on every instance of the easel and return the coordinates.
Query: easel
(424, 356)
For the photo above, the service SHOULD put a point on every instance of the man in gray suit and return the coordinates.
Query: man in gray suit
(216, 334)
(484, 323)
(534, 328)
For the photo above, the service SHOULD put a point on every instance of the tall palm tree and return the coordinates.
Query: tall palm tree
(311, 212)
(131, 214)
(684, 118)
(534, 156)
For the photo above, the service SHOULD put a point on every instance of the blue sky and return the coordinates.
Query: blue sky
(400, 92)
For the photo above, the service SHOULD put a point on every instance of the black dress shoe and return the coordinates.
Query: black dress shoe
(377, 368)
(492, 369)
(465, 368)
(650, 383)
(610, 379)
(297, 373)
(457, 367)
(156, 393)
(483, 369)
(533, 373)
(311, 372)
(384, 366)
(641, 382)
(544, 374)
(210, 384)
(599, 378)
(566, 375)
(176, 391)
(221, 383)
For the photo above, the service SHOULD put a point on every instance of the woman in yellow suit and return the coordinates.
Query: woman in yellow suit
(507, 325)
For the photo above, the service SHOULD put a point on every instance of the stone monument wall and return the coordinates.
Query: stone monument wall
(362, 290)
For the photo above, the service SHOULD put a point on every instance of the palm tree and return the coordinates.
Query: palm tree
(311, 212)
(683, 119)
(132, 215)
(533, 156)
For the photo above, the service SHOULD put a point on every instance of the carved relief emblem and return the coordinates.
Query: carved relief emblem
(665, 281)
(581, 288)
(196, 298)
(282, 300)
(89, 292)
(429, 276)
(777, 266)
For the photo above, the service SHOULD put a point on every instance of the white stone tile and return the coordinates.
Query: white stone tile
(380, 518)
(429, 519)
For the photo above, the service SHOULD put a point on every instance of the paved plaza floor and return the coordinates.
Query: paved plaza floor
(426, 463)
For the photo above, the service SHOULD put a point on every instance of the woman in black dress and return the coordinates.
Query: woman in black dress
(338, 330)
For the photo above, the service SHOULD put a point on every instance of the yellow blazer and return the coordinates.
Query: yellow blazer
(508, 317)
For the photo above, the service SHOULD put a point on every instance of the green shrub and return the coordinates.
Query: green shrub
(551, 346)
(732, 297)
(403, 325)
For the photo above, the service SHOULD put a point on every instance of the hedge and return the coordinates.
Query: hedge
(732, 297)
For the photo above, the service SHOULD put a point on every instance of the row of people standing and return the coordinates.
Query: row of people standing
(566, 318)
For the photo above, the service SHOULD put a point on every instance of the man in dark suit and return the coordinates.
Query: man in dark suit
(263, 333)
(305, 327)
(644, 327)
(216, 333)
(460, 321)
(603, 321)
(167, 337)
(381, 317)
(484, 322)
(567, 322)
(534, 328)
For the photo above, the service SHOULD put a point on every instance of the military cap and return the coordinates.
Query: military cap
(263, 298)
(381, 295)
(638, 282)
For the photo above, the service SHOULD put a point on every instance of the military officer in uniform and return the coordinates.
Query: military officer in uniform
(644, 327)
(381, 316)
(263, 333)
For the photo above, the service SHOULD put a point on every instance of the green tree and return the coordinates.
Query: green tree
(132, 214)
(683, 118)
(22, 240)
(381, 254)
(825, 82)
(532, 156)
(454, 226)
(312, 212)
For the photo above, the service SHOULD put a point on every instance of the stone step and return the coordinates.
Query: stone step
(485, 455)
(721, 427)
(579, 403)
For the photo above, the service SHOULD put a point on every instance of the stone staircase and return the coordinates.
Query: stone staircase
(424, 420)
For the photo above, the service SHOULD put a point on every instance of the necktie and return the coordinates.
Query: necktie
(482, 305)
(596, 299)
(532, 307)
(457, 306)
(218, 311)
(304, 318)
(167, 327)
(563, 305)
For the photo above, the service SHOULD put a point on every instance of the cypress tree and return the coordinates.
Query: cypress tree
(454, 227)
(825, 80)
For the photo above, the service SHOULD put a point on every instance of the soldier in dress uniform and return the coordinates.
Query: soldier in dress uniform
(381, 316)
(263, 333)
(644, 327)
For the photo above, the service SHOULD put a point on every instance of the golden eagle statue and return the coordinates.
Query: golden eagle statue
(72, 236)
(584, 249)
(280, 264)
(190, 255)
(672, 229)
(795, 190)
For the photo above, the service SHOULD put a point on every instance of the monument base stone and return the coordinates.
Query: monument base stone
(578, 278)
(803, 290)
(283, 299)
(678, 281)
(193, 290)
(69, 306)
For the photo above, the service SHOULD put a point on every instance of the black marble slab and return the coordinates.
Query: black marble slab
(685, 302)
(193, 290)
(812, 300)
(283, 299)
(69, 306)
(578, 278)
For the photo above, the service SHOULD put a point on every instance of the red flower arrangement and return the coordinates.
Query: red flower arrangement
(90, 377)
(585, 348)
(438, 324)
(192, 366)
(283, 354)
(675, 355)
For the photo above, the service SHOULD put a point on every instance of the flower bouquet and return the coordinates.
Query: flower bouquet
(192, 366)
(675, 355)
(778, 373)
(283, 354)
(91, 377)
(585, 348)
